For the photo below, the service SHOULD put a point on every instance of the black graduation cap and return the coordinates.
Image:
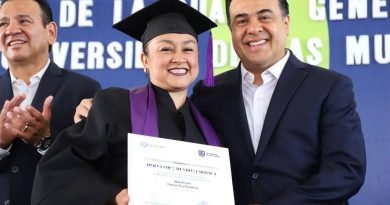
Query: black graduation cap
(164, 16)
(169, 16)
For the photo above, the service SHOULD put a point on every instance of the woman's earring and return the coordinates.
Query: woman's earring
(146, 70)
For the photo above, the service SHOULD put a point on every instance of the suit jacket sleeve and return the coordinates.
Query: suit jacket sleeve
(342, 160)
(87, 162)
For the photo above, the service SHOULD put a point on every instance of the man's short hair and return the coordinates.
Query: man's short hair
(46, 12)
(283, 4)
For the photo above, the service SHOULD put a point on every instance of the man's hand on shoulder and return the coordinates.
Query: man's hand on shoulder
(82, 110)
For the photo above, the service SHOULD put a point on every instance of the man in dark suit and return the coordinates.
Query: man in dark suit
(38, 98)
(292, 129)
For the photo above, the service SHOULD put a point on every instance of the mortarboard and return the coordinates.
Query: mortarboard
(168, 16)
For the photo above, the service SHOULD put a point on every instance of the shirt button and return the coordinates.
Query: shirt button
(255, 175)
(14, 169)
(6, 202)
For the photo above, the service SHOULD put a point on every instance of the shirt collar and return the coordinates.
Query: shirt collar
(275, 70)
(35, 76)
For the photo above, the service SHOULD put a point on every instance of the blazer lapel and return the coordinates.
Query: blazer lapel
(5, 87)
(292, 76)
(239, 113)
(48, 85)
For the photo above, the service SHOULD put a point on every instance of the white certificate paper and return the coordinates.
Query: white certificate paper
(170, 172)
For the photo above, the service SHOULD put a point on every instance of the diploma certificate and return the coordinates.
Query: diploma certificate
(170, 172)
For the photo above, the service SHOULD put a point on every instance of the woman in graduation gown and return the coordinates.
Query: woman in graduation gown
(87, 164)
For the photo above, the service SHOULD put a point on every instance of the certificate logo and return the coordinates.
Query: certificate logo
(201, 153)
(143, 144)
(149, 145)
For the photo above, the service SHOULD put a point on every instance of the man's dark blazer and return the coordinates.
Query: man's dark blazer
(311, 149)
(68, 89)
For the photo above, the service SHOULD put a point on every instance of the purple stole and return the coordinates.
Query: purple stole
(144, 118)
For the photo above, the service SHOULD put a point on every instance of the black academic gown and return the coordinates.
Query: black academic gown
(88, 163)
